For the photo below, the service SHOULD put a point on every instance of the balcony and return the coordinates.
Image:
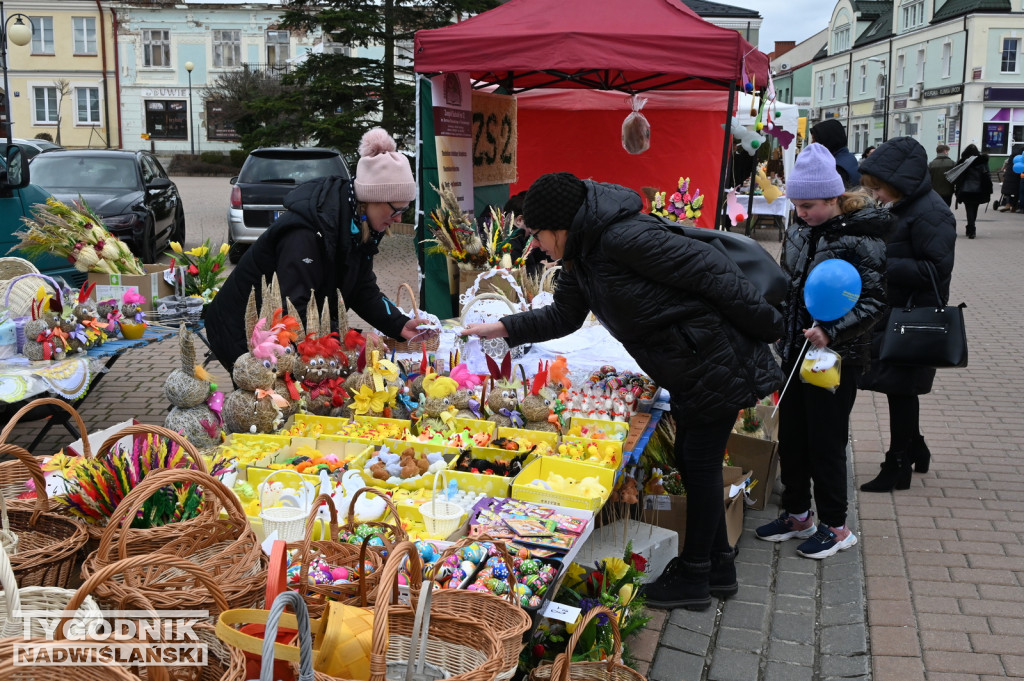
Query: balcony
(878, 107)
(269, 69)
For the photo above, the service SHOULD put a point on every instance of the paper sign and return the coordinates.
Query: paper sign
(658, 502)
(561, 611)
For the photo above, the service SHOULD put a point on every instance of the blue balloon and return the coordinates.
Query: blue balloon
(1019, 158)
(1018, 167)
(832, 289)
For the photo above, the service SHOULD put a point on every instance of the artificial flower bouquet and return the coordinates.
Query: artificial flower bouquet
(681, 205)
(200, 271)
(78, 234)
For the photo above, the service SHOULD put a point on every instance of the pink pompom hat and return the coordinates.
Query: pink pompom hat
(382, 174)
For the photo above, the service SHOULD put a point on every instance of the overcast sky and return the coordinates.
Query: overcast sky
(787, 19)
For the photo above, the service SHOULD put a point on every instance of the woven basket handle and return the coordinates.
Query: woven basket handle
(9, 583)
(151, 429)
(547, 274)
(400, 534)
(42, 401)
(283, 600)
(5, 522)
(32, 464)
(412, 299)
(10, 285)
(152, 483)
(561, 669)
(304, 553)
(144, 562)
(389, 581)
(485, 296)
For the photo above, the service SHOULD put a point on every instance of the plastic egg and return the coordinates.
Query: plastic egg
(474, 552)
(529, 567)
(458, 577)
(523, 591)
(476, 586)
(363, 531)
(497, 586)
(340, 573)
(403, 580)
(533, 602)
(467, 566)
(428, 552)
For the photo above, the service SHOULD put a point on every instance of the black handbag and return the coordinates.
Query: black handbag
(926, 336)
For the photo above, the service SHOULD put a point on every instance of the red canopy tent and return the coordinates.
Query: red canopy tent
(632, 46)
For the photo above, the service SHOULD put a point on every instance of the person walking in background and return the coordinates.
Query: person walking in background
(693, 322)
(867, 152)
(925, 237)
(937, 169)
(814, 423)
(832, 135)
(1009, 198)
(973, 187)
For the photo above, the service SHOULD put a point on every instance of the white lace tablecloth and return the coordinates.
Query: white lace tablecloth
(69, 378)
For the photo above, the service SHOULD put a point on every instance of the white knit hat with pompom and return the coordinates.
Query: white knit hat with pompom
(382, 174)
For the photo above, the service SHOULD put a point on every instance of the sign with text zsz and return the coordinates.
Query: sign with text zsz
(494, 139)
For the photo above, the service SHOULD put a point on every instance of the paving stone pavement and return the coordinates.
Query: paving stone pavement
(935, 588)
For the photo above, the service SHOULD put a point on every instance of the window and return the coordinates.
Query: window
(841, 39)
(832, 85)
(920, 65)
(277, 47)
(863, 78)
(947, 59)
(156, 48)
(1008, 61)
(901, 67)
(218, 127)
(880, 86)
(167, 119)
(87, 100)
(227, 49)
(912, 14)
(846, 81)
(42, 35)
(84, 30)
(821, 88)
(45, 101)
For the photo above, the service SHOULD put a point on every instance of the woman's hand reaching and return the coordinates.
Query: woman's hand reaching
(491, 330)
(817, 337)
(411, 331)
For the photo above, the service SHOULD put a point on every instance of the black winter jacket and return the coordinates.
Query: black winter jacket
(313, 247)
(859, 239)
(975, 184)
(925, 232)
(679, 306)
(831, 134)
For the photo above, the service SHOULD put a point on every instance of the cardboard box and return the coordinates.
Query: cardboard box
(759, 456)
(151, 285)
(657, 545)
(669, 510)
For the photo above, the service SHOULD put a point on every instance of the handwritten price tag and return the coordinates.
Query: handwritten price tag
(560, 611)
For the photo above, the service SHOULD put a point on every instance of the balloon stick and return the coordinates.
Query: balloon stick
(799, 359)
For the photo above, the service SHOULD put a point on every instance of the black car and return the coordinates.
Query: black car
(128, 190)
(34, 147)
(267, 176)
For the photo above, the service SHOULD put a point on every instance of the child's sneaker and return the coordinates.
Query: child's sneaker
(787, 527)
(827, 541)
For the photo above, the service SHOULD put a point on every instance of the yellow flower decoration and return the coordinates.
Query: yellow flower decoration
(382, 370)
(224, 248)
(439, 386)
(368, 400)
(626, 594)
(574, 575)
(198, 251)
(616, 567)
(176, 247)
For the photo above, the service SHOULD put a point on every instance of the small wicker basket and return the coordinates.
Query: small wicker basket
(564, 669)
(8, 540)
(398, 345)
(441, 518)
(287, 521)
(20, 291)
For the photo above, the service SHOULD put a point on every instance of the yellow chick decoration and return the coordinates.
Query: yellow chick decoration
(590, 487)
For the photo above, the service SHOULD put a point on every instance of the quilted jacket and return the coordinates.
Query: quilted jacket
(692, 322)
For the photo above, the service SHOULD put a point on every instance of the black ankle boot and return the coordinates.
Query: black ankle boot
(895, 474)
(682, 585)
(722, 580)
(920, 455)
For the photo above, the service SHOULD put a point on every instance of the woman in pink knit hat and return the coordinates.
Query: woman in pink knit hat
(324, 243)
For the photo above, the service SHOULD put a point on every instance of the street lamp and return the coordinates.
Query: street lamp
(20, 34)
(885, 97)
(191, 137)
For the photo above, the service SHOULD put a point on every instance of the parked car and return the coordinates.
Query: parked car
(257, 194)
(128, 190)
(34, 147)
(17, 197)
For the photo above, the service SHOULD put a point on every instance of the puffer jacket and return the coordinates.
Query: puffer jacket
(925, 233)
(858, 238)
(680, 307)
(314, 247)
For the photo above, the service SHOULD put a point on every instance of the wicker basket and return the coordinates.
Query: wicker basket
(13, 474)
(393, 533)
(48, 544)
(465, 647)
(507, 619)
(444, 517)
(287, 521)
(564, 669)
(473, 313)
(100, 671)
(227, 548)
(337, 554)
(19, 292)
(431, 342)
(8, 540)
(34, 599)
(11, 267)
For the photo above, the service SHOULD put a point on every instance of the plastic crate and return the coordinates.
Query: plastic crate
(602, 445)
(598, 429)
(544, 466)
(533, 435)
(491, 485)
(398, 446)
(356, 453)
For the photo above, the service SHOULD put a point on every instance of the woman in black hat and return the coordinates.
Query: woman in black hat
(691, 320)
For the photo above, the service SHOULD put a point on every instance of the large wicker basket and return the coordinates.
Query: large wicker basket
(48, 544)
(226, 548)
(564, 669)
(507, 619)
(337, 554)
(19, 292)
(398, 345)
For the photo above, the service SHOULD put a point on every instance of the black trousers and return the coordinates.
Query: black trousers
(904, 420)
(972, 215)
(947, 199)
(814, 428)
(699, 452)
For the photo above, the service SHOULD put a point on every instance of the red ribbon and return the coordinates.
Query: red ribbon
(293, 390)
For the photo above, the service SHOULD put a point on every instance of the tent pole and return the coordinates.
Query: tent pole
(726, 147)
(419, 174)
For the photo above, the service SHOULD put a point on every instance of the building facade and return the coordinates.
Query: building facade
(64, 83)
(941, 71)
(792, 71)
(746, 22)
(163, 105)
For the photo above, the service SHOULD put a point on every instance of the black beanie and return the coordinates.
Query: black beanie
(553, 201)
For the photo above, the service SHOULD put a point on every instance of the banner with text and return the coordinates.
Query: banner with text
(494, 139)
(453, 134)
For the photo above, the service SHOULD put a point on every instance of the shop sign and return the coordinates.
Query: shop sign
(900, 103)
(453, 133)
(165, 92)
(494, 139)
(1004, 94)
(943, 91)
